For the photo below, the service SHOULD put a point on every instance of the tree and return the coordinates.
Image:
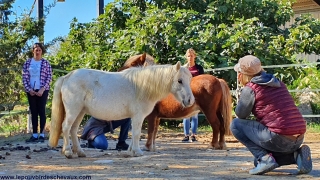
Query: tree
(220, 31)
(14, 48)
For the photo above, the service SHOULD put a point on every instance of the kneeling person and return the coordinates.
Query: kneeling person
(275, 136)
(95, 129)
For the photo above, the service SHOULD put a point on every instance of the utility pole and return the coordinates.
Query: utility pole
(100, 6)
(40, 17)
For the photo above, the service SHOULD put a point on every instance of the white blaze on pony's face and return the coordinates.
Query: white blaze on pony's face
(181, 86)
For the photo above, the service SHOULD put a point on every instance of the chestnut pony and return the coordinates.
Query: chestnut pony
(212, 97)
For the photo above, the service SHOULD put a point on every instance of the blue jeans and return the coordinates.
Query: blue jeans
(101, 142)
(194, 125)
(261, 141)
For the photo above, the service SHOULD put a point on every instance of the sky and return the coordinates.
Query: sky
(58, 21)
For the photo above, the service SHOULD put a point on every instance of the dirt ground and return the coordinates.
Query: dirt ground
(172, 160)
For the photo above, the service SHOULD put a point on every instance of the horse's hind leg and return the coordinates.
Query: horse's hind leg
(75, 142)
(148, 144)
(155, 132)
(66, 126)
(222, 141)
(152, 131)
(215, 125)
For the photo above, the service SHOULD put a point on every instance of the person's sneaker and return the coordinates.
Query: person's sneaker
(41, 139)
(32, 140)
(266, 164)
(122, 146)
(193, 138)
(303, 159)
(255, 162)
(186, 139)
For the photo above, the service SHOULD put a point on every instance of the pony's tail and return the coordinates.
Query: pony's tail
(226, 106)
(57, 114)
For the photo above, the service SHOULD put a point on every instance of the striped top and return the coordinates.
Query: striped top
(275, 108)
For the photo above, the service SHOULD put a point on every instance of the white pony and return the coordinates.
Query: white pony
(113, 96)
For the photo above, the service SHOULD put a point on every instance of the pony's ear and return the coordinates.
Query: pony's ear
(145, 64)
(178, 65)
(139, 61)
(143, 58)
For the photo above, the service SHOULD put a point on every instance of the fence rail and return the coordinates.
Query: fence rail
(304, 115)
(11, 113)
(266, 67)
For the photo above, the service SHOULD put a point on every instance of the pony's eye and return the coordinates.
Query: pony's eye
(180, 81)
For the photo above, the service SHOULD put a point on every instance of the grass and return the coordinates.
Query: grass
(204, 129)
(313, 127)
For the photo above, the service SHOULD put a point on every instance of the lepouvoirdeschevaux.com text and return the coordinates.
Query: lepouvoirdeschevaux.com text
(43, 177)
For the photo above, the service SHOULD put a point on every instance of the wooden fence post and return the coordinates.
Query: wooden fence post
(29, 122)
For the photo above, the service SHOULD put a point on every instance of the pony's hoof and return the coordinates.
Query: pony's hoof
(146, 148)
(213, 147)
(68, 154)
(81, 154)
(224, 147)
(136, 153)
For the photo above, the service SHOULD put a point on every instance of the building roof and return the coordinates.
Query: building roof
(306, 5)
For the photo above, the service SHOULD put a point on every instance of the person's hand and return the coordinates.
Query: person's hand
(40, 92)
(32, 92)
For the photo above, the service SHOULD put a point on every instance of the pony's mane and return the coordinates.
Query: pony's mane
(149, 59)
(151, 81)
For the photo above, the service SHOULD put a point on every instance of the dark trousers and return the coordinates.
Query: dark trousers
(101, 142)
(261, 141)
(37, 107)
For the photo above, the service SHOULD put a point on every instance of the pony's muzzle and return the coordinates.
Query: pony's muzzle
(189, 101)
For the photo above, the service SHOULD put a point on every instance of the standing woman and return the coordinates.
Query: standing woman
(195, 70)
(36, 77)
